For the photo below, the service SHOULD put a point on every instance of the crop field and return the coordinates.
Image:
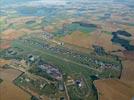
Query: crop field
(122, 89)
(97, 37)
(76, 26)
(128, 71)
(114, 90)
(79, 39)
(7, 88)
(66, 50)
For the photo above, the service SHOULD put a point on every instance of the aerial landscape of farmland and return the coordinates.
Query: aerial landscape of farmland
(66, 50)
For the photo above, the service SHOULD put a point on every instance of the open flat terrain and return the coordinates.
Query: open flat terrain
(122, 89)
(128, 71)
(114, 90)
(66, 49)
(86, 41)
(80, 39)
(8, 90)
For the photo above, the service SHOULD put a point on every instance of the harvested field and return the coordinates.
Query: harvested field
(8, 91)
(132, 42)
(97, 37)
(122, 89)
(128, 71)
(4, 46)
(109, 26)
(129, 55)
(3, 62)
(22, 20)
(80, 39)
(9, 74)
(104, 40)
(129, 29)
(11, 34)
(114, 90)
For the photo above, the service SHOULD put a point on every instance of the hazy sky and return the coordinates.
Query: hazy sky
(47, 2)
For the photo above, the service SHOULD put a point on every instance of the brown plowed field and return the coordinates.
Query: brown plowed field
(122, 89)
(9, 91)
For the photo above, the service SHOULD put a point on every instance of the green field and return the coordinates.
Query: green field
(39, 85)
(69, 28)
(1, 80)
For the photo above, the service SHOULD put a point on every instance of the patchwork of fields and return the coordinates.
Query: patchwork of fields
(66, 50)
